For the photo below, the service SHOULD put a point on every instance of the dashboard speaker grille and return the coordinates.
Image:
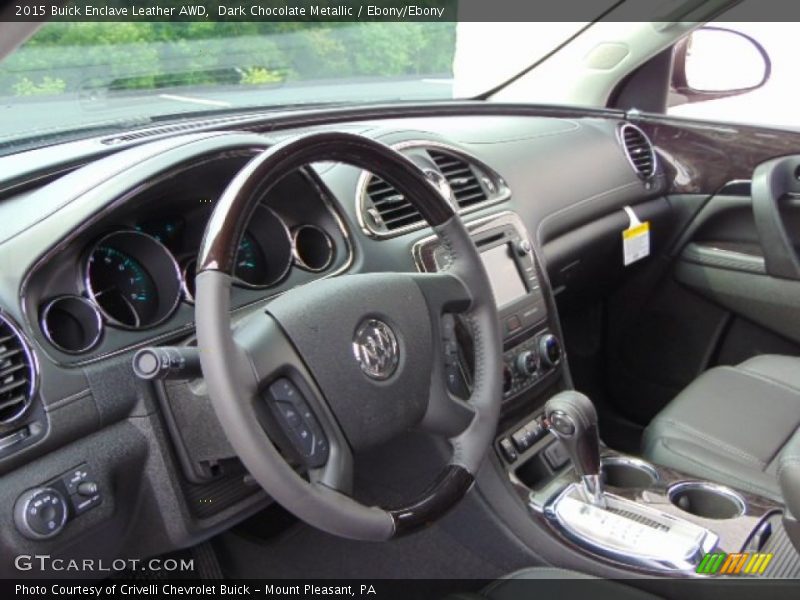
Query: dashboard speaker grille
(17, 372)
(639, 150)
(462, 179)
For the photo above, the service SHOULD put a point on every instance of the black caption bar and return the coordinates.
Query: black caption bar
(401, 10)
(394, 589)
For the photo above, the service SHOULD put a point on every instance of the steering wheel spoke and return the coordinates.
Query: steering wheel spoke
(444, 293)
(291, 406)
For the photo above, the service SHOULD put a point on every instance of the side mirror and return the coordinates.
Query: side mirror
(714, 62)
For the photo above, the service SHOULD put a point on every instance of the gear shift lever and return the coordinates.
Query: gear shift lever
(571, 417)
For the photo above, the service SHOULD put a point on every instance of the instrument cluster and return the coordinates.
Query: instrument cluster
(137, 273)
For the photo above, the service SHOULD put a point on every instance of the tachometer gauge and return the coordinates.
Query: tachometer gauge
(133, 279)
(265, 252)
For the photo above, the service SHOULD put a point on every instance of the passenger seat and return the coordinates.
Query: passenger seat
(731, 424)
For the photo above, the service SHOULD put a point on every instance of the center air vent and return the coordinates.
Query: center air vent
(17, 372)
(390, 209)
(639, 150)
(386, 212)
(462, 179)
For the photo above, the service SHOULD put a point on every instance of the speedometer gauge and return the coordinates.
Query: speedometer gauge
(122, 286)
(133, 279)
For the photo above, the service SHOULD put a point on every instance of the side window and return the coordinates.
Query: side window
(738, 72)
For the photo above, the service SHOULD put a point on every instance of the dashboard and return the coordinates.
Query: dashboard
(99, 256)
(127, 277)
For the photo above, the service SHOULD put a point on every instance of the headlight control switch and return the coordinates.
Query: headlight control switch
(40, 513)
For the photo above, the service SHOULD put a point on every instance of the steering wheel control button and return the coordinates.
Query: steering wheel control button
(40, 513)
(562, 423)
(289, 412)
(376, 349)
(298, 422)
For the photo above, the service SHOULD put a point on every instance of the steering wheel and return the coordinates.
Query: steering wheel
(344, 363)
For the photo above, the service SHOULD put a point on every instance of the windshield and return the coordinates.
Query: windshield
(73, 76)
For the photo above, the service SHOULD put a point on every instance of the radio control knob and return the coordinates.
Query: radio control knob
(524, 247)
(527, 363)
(40, 513)
(550, 350)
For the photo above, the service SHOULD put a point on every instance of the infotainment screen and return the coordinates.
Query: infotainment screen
(504, 276)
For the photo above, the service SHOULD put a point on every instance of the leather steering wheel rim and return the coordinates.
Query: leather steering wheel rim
(239, 361)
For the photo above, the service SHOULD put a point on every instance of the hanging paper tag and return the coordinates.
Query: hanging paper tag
(635, 239)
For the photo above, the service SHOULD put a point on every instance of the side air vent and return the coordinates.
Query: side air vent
(390, 209)
(462, 179)
(385, 212)
(639, 150)
(17, 372)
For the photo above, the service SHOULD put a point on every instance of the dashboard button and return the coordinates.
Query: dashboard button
(40, 513)
(527, 363)
(74, 478)
(508, 450)
(88, 488)
(556, 455)
(513, 323)
(550, 350)
(520, 439)
(80, 503)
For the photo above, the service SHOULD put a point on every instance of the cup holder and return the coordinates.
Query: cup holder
(707, 500)
(622, 472)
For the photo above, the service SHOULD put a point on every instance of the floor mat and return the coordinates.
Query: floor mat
(306, 553)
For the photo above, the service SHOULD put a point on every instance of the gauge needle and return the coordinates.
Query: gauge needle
(136, 319)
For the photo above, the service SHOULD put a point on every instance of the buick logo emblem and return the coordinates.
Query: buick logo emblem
(376, 350)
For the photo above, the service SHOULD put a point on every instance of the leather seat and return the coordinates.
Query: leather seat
(731, 424)
(569, 584)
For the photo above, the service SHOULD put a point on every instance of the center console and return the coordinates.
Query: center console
(531, 349)
(651, 519)
(608, 506)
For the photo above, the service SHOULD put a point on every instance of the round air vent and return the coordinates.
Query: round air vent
(17, 372)
(639, 150)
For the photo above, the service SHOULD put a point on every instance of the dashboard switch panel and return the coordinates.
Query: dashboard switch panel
(42, 512)
(528, 362)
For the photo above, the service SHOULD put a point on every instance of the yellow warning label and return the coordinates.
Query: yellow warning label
(637, 230)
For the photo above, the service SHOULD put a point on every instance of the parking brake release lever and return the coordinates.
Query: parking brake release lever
(572, 418)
